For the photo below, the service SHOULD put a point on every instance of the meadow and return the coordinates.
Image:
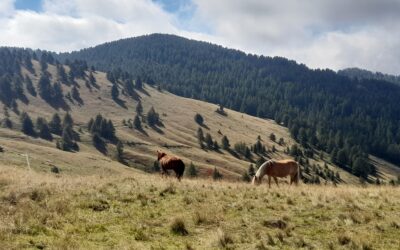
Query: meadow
(133, 210)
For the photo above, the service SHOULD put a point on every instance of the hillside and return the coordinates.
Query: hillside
(177, 134)
(366, 74)
(139, 211)
(322, 109)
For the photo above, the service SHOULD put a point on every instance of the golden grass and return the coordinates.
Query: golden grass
(139, 211)
(177, 137)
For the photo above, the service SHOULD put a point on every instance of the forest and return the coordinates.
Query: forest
(345, 116)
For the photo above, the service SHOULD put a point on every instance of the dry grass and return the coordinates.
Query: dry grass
(147, 212)
(178, 136)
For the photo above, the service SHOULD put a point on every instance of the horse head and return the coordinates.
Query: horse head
(256, 180)
(160, 155)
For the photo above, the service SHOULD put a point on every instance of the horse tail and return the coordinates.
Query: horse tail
(297, 176)
(180, 169)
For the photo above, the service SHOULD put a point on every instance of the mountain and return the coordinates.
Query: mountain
(357, 73)
(322, 109)
(36, 87)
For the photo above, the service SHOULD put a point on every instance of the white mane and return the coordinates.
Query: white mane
(261, 170)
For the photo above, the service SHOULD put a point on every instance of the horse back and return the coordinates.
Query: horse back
(282, 168)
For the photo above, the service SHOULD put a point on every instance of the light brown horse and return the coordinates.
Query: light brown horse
(168, 162)
(278, 168)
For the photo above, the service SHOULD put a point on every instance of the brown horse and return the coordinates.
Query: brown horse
(168, 162)
(279, 168)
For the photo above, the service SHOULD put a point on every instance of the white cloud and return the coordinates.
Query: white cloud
(331, 33)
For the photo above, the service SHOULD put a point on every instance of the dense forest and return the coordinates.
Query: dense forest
(347, 117)
(366, 74)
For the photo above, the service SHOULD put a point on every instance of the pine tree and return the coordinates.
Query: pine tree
(139, 108)
(55, 125)
(27, 125)
(137, 123)
(216, 146)
(216, 174)
(200, 135)
(251, 170)
(272, 137)
(198, 119)
(43, 129)
(92, 80)
(75, 94)
(67, 143)
(45, 88)
(138, 83)
(120, 152)
(152, 117)
(209, 141)
(225, 142)
(114, 92)
(246, 177)
(29, 86)
(68, 121)
(192, 171)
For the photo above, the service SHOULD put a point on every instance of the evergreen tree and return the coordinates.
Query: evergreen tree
(138, 83)
(246, 177)
(67, 143)
(209, 141)
(92, 80)
(137, 123)
(225, 142)
(55, 125)
(27, 125)
(114, 92)
(68, 121)
(75, 94)
(199, 119)
(251, 170)
(29, 86)
(139, 108)
(272, 137)
(192, 171)
(43, 129)
(216, 174)
(156, 166)
(200, 135)
(216, 146)
(45, 88)
(152, 117)
(120, 152)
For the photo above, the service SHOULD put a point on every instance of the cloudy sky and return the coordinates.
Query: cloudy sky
(320, 33)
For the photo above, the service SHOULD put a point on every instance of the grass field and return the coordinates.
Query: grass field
(177, 136)
(131, 210)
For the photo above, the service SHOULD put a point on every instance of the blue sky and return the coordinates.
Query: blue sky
(35, 5)
(332, 34)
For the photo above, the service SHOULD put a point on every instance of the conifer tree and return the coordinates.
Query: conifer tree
(27, 125)
(55, 125)
(137, 123)
(225, 142)
(139, 108)
(192, 171)
(43, 129)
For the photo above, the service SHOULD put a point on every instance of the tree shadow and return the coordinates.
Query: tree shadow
(142, 90)
(120, 102)
(101, 147)
(141, 130)
(157, 129)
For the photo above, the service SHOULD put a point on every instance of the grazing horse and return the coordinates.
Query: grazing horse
(168, 162)
(279, 168)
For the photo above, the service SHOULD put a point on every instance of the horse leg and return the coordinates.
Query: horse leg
(276, 181)
(269, 181)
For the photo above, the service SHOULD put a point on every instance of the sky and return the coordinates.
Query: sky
(333, 34)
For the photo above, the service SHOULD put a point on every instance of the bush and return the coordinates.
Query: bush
(199, 119)
(178, 227)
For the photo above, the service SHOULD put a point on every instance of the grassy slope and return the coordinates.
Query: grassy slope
(137, 211)
(177, 137)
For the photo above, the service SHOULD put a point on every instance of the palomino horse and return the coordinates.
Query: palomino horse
(168, 162)
(279, 168)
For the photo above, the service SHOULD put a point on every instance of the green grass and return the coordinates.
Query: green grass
(137, 211)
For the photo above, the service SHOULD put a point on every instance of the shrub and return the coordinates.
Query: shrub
(199, 119)
(178, 227)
